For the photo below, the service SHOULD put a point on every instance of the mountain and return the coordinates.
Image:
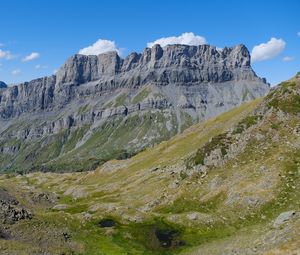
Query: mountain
(227, 185)
(3, 85)
(101, 107)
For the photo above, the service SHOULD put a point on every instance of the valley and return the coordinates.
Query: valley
(227, 185)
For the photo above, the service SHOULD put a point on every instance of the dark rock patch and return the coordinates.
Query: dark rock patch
(4, 235)
(10, 209)
(168, 238)
(66, 236)
(3, 85)
(9, 214)
(44, 198)
(6, 197)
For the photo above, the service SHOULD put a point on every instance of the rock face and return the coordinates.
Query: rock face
(283, 218)
(155, 94)
(3, 85)
(10, 210)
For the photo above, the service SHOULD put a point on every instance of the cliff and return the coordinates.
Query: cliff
(174, 87)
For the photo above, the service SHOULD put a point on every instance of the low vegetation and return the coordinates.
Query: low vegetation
(157, 202)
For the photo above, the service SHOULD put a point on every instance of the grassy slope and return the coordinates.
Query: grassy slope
(235, 202)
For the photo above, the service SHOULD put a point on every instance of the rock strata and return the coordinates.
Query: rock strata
(174, 86)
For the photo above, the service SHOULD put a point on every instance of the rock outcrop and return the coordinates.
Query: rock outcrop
(178, 84)
(3, 85)
(178, 65)
(10, 209)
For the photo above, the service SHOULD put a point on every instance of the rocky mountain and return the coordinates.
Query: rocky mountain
(3, 85)
(100, 107)
(227, 185)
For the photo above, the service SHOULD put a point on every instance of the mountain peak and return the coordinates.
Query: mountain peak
(80, 68)
(160, 91)
(204, 63)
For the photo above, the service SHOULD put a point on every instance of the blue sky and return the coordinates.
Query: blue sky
(36, 37)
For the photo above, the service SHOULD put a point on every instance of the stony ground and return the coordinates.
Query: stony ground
(229, 185)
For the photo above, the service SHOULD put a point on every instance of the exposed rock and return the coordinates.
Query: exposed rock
(76, 192)
(215, 183)
(175, 64)
(107, 207)
(3, 85)
(186, 84)
(193, 216)
(214, 159)
(7, 198)
(44, 198)
(85, 216)
(133, 218)
(10, 209)
(60, 207)
(283, 218)
(259, 136)
(4, 235)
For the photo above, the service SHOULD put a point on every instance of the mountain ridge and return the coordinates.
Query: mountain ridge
(175, 86)
(80, 69)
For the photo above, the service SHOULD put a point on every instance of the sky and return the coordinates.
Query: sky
(36, 37)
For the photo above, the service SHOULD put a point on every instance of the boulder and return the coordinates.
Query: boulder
(283, 218)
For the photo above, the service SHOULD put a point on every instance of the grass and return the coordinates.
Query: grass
(170, 152)
(109, 105)
(220, 141)
(185, 204)
(131, 184)
(285, 98)
(120, 100)
(141, 96)
(112, 140)
(290, 106)
(78, 208)
(82, 109)
(246, 123)
(186, 120)
(74, 137)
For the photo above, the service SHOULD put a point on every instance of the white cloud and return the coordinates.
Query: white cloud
(99, 47)
(55, 71)
(40, 66)
(288, 58)
(2, 53)
(267, 50)
(32, 56)
(185, 38)
(298, 34)
(6, 54)
(16, 72)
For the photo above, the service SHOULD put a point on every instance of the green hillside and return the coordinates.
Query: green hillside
(220, 187)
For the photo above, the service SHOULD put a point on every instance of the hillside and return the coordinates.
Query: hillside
(97, 108)
(229, 185)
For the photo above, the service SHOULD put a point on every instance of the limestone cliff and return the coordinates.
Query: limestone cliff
(113, 101)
